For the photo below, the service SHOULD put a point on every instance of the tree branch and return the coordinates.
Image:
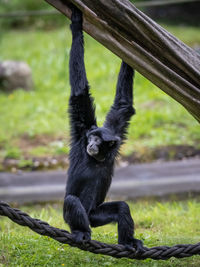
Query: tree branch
(143, 44)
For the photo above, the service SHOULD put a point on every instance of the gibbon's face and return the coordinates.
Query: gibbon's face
(100, 142)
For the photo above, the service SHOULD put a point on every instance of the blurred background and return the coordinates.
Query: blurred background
(34, 132)
(35, 43)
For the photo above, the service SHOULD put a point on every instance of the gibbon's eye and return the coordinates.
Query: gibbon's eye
(94, 139)
(111, 143)
(97, 140)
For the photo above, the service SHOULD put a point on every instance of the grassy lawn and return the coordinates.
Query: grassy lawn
(157, 223)
(36, 123)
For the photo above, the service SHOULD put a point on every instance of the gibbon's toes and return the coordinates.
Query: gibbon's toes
(81, 237)
(138, 245)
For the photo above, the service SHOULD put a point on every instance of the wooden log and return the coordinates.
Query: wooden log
(143, 44)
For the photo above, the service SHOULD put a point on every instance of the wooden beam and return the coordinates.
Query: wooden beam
(143, 44)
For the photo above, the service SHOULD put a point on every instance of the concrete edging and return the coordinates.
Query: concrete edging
(133, 181)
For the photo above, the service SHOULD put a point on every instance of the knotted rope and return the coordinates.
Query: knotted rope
(117, 251)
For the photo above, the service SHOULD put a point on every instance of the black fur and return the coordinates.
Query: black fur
(93, 150)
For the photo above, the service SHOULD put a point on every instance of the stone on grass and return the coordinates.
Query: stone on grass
(15, 75)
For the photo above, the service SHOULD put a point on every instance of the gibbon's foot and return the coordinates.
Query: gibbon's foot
(81, 237)
(135, 244)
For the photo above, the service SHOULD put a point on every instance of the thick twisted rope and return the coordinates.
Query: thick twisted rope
(117, 251)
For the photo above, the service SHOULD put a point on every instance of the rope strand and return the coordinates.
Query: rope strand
(114, 250)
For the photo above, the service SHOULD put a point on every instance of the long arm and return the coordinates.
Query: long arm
(121, 111)
(81, 108)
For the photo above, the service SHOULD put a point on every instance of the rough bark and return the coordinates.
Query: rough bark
(151, 50)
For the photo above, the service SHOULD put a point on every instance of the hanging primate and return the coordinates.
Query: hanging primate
(93, 150)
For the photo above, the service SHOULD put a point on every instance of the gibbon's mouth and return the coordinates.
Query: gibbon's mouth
(95, 156)
(101, 160)
(92, 152)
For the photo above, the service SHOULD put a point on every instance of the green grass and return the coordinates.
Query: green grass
(157, 223)
(41, 114)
